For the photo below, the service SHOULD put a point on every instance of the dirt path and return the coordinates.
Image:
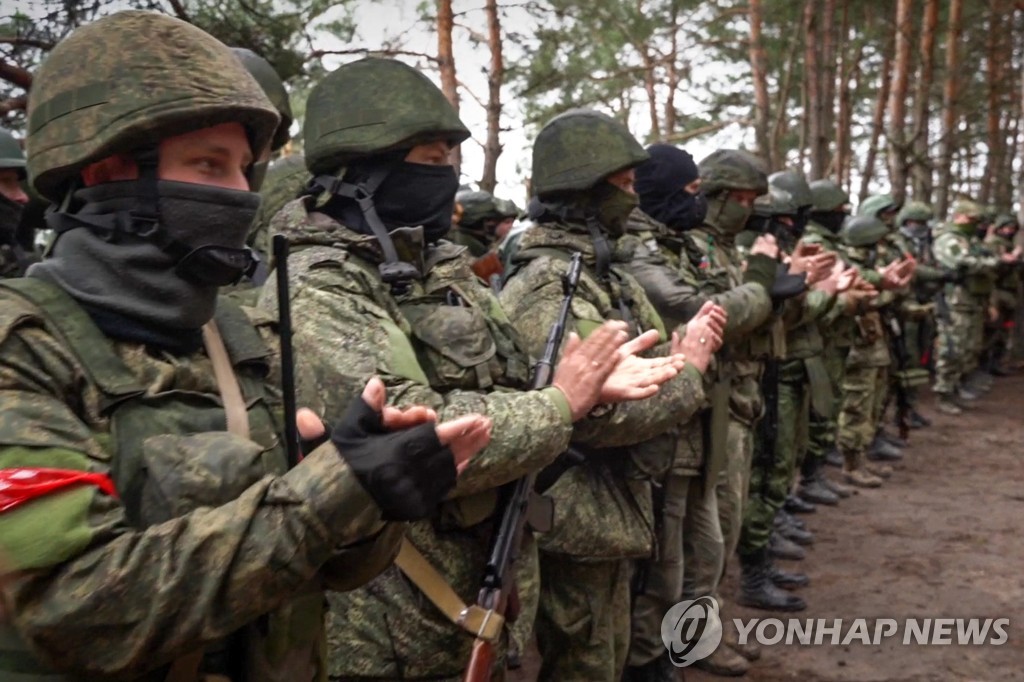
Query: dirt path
(944, 538)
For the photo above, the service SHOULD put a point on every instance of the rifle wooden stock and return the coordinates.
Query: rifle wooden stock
(480, 662)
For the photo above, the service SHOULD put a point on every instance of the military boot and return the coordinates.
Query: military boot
(795, 505)
(891, 439)
(757, 589)
(788, 580)
(838, 488)
(880, 470)
(812, 488)
(783, 516)
(782, 548)
(800, 536)
(855, 474)
(882, 450)
(965, 394)
(724, 662)
(749, 650)
(833, 457)
(658, 670)
(918, 421)
(947, 404)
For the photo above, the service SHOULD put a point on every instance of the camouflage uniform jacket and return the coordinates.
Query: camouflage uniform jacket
(720, 268)
(954, 251)
(870, 347)
(603, 507)
(444, 343)
(207, 535)
(1007, 286)
(470, 239)
(837, 325)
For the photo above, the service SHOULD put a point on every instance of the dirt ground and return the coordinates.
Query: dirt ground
(943, 538)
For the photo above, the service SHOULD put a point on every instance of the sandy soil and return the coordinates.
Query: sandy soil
(944, 538)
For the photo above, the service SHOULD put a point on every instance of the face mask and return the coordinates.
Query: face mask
(915, 230)
(203, 228)
(680, 211)
(613, 207)
(730, 216)
(830, 220)
(10, 216)
(416, 194)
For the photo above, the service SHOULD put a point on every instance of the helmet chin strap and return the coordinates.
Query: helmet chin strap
(393, 271)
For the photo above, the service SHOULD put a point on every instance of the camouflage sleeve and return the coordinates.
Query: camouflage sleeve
(950, 253)
(532, 300)
(95, 595)
(347, 338)
(803, 310)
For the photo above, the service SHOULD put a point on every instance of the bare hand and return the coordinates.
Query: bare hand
(765, 245)
(586, 365)
(636, 378)
(703, 336)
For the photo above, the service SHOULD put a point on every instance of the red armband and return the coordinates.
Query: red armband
(25, 484)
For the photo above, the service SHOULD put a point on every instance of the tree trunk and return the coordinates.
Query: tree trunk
(877, 121)
(446, 63)
(850, 69)
(1020, 154)
(827, 82)
(495, 78)
(922, 164)
(813, 85)
(758, 67)
(672, 74)
(896, 130)
(650, 87)
(782, 105)
(949, 107)
(999, 48)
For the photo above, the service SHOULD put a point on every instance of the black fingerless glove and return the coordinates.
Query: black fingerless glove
(786, 285)
(407, 473)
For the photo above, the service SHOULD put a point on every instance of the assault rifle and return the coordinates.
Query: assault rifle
(899, 350)
(515, 501)
(284, 324)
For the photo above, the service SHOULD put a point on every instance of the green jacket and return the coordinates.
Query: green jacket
(447, 344)
(210, 543)
(955, 251)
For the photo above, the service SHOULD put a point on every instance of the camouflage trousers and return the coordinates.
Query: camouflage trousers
(955, 345)
(583, 618)
(732, 490)
(863, 393)
(771, 474)
(689, 544)
(821, 431)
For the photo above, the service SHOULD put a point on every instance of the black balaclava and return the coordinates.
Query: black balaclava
(660, 183)
(830, 220)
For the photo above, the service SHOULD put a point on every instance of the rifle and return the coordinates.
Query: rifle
(516, 496)
(768, 427)
(899, 350)
(284, 324)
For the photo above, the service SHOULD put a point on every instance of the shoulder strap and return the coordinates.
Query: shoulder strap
(241, 338)
(72, 325)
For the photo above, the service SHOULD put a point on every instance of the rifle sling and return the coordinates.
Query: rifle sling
(485, 624)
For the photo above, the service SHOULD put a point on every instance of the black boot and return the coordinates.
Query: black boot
(918, 421)
(882, 450)
(781, 548)
(797, 535)
(833, 457)
(786, 579)
(891, 439)
(658, 670)
(757, 589)
(784, 517)
(795, 505)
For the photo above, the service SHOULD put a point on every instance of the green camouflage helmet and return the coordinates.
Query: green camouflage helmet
(371, 106)
(165, 77)
(476, 207)
(1005, 220)
(775, 202)
(794, 183)
(863, 230)
(728, 169)
(968, 208)
(916, 211)
(260, 69)
(578, 149)
(506, 208)
(11, 155)
(828, 196)
(877, 204)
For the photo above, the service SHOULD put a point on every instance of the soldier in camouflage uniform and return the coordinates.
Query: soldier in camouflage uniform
(154, 528)
(14, 257)
(484, 221)
(658, 254)
(373, 274)
(1004, 303)
(864, 381)
(959, 304)
(582, 173)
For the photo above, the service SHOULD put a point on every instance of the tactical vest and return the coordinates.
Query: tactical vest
(169, 453)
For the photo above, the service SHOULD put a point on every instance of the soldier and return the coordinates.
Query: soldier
(154, 529)
(14, 257)
(583, 175)
(373, 273)
(1004, 303)
(484, 221)
(958, 304)
(658, 255)
(864, 380)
